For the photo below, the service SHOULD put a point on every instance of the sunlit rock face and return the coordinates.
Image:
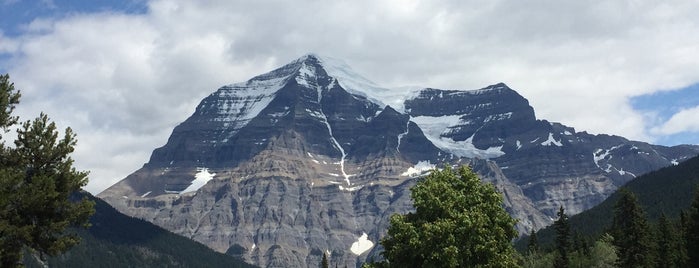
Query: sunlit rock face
(311, 158)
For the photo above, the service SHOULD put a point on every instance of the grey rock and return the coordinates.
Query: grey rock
(295, 163)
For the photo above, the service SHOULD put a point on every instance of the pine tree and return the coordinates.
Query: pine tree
(9, 97)
(562, 228)
(683, 229)
(458, 221)
(324, 261)
(631, 232)
(692, 235)
(666, 238)
(37, 179)
(533, 244)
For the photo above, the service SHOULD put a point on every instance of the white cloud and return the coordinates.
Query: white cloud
(683, 121)
(124, 81)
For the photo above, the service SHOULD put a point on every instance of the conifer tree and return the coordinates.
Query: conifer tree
(683, 228)
(692, 233)
(562, 228)
(533, 244)
(668, 247)
(324, 261)
(37, 179)
(631, 232)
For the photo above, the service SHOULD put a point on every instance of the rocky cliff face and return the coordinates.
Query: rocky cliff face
(309, 158)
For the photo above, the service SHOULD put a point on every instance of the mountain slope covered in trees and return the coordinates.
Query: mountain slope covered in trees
(668, 190)
(117, 240)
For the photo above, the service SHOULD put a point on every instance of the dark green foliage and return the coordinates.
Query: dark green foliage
(631, 233)
(9, 97)
(580, 244)
(459, 222)
(668, 244)
(601, 254)
(562, 240)
(117, 240)
(533, 244)
(668, 190)
(682, 227)
(692, 232)
(324, 261)
(37, 179)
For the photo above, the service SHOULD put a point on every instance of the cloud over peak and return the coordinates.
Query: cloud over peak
(123, 80)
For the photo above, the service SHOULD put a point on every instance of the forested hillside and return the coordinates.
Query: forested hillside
(668, 190)
(117, 240)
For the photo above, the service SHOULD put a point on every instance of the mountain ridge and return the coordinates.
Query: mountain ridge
(296, 163)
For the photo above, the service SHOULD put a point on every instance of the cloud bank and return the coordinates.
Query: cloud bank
(123, 81)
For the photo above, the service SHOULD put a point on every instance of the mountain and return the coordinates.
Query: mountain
(117, 240)
(312, 158)
(668, 190)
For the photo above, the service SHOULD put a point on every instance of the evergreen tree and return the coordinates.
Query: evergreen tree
(580, 244)
(37, 179)
(683, 228)
(562, 228)
(631, 233)
(692, 233)
(533, 244)
(668, 247)
(458, 221)
(9, 97)
(324, 261)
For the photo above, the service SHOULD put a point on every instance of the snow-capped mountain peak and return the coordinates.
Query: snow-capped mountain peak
(314, 152)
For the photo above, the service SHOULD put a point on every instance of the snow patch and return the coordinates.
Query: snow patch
(200, 179)
(674, 162)
(332, 137)
(350, 189)
(239, 103)
(356, 84)
(602, 154)
(400, 136)
(362, 245)
(498, 117)
(551, 141)
(623, 172)
(599, 155)
(435, 126)
(418, 169)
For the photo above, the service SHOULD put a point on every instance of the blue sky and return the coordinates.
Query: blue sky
(662, 106)
(17, 13)
(122, 74)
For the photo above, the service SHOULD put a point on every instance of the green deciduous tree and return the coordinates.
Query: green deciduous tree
(37, 179)
(562, 228)
(603, 252)
(631, 233)
(459, 222)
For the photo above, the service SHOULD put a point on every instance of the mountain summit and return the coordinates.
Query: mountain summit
(312, 158)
